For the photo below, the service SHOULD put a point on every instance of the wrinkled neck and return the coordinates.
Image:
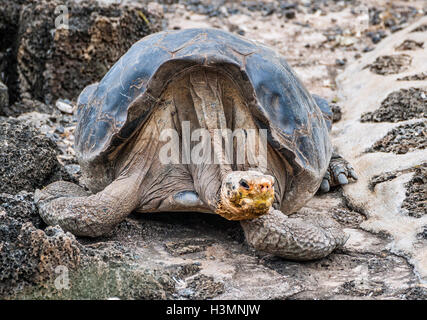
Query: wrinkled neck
(207, 94)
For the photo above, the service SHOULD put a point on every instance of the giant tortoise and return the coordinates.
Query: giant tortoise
(185, 81)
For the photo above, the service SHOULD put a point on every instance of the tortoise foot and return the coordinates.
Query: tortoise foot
(339, 173)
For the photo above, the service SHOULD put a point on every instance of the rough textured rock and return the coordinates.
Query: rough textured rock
(4, 96)
(391, 64)
(21, 208)
(409, 44)
(414, 204)
(53, 63)
(29, 256)
(416, 193)
(49, 263)
(414, 77)
(403, 104)
(403, 139)
(214, 261)
(387, 176)
(203, 287)
(421, 28)
(336, 113)
(58, 127)
(40, 264)
(9, 25)
(27, 158)
(26, 104)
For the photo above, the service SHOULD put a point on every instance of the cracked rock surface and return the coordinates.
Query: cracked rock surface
(403, 139)
(392, 116)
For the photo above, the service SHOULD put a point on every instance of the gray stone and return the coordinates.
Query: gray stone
(4, 96)
(27, 158)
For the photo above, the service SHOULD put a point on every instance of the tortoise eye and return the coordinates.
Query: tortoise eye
(244, 183)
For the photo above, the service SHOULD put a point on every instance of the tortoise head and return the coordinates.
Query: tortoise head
(245, 195)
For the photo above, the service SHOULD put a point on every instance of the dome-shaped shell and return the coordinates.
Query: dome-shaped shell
(109, 112)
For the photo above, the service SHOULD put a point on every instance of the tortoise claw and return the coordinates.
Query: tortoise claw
(342, 179)
(338, 173)
(353, 174)
(324, 186)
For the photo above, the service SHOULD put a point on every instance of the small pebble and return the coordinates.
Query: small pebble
(376, 38)
(396, 28)
(59, 130)
(64, 106)
(290, 14)
(72, 169)
(340, 62)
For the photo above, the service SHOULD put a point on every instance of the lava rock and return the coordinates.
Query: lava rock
(290, 14)
(410, 44)
(396, 28)
(336, 113)
(4, 96)
(29, 256)
(403, 139)
(415, 203)
(403, 104)
(376, 36)
(9, 26)
(391, 64)
(340, 62)
(26, 105)
(204, 287)
(414, 77)
(27, 158)
(422, 28)
(374, 16)
(21, 207)
(58, 62)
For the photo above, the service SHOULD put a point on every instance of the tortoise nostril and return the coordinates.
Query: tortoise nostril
(244, 183)
(265, 187)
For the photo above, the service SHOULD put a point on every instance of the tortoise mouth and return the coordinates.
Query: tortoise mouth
(246, 195)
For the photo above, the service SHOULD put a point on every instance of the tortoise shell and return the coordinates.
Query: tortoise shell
(110, 111)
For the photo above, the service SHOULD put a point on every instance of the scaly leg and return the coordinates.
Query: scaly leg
(294, 238)
(73, 209)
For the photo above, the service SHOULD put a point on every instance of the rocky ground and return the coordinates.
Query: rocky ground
(336, 47)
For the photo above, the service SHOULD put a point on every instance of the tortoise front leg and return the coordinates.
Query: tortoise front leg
(73, 209)
(310, 238)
